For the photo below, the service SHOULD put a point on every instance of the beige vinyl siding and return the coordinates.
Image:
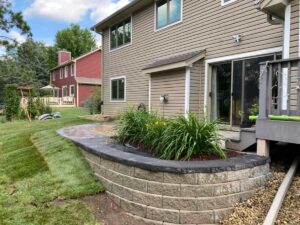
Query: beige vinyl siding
(206, 24)
(195, 88)
(294, 36)
(171, 83)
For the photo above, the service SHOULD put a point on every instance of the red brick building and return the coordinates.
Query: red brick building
(76, 78)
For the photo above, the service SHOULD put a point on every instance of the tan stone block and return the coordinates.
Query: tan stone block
(260, 170)
(91, 157)
(180, 203)
(147, 199)
(107, 164)
(220, 202)
(180, 178)
(163, 189)
(253, 183)
(148, 175)
(114, 176)
(226, 188)
(135, 183)
(122, 192)
(170, 216)
(140, 220)
(107, 183)
(196, 191)
(124, 169)
(206, 217)
(134, 208)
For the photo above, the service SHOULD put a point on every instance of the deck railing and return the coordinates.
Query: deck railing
(55, 101)
(279, 88)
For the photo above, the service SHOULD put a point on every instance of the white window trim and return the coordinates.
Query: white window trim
(226, 3)
(72, 70)
(53, 75)
(56, 90)
(169, 25)
(66, 69)
(125, 84)
(61, 73)
(62, 91)
(231, 57)
(123, 46)
(150, 87)
(70, 90)
(187, 91)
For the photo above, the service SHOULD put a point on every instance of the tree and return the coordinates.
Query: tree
(76, 40)
(11, 102)
(26, 64)
(11, 20)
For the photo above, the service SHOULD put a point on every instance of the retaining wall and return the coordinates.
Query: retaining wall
(167, 198)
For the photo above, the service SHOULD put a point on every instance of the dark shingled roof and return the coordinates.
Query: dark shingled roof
(174, 59)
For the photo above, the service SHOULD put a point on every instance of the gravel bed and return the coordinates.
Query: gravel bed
(254, 211)
(290, 211)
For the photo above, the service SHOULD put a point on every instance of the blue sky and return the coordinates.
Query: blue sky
(46, 17)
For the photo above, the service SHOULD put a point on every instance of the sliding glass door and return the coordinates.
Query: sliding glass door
(235, 90)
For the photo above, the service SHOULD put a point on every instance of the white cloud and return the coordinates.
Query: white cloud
(72, 11)
(109, 7)
(17, 36)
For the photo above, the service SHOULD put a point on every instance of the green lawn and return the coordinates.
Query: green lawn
(42, 175)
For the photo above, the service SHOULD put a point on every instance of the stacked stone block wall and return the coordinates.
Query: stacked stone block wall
(162, 198)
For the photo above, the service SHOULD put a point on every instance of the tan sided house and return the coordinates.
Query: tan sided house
(207, 57)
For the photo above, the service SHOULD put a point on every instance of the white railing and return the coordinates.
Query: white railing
(55, 101)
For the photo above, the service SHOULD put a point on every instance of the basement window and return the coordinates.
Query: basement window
(120, 34)
(117, 86)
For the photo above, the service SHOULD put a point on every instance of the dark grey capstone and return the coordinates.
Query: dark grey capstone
(129, 156)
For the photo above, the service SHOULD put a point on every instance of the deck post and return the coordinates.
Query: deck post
(263, 91)
(263, 147)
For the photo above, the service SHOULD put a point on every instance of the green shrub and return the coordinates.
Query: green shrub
(184, 138)
(41, 107)
(11, 102)
(139, 127)
(31, 108)
(93, 103)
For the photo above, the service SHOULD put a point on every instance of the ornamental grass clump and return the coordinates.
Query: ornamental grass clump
(140, 128)
(184, 138)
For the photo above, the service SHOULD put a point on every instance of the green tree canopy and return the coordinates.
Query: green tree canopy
(76, 40)
(26, 64)
(10, 20)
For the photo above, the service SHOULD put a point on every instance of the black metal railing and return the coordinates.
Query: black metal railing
(279, 88)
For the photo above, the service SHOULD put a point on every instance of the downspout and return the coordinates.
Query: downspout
(102, 69)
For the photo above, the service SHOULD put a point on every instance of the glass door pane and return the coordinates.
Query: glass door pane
(221, 93)
(246, 75)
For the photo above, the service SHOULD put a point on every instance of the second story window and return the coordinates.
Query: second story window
(66, 71)
(61, 73)
(72, 69)
(168, 12)
(120, 34)
(53, 75)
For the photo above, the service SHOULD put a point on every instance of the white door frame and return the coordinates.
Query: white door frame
(229, 58)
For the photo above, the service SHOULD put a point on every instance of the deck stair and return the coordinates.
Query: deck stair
(238, 140)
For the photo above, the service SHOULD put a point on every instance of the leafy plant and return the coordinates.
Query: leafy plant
(184, 138)
(253, 110)
(41, 107)
(93, 103)
(139, 127)
(11, 102)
